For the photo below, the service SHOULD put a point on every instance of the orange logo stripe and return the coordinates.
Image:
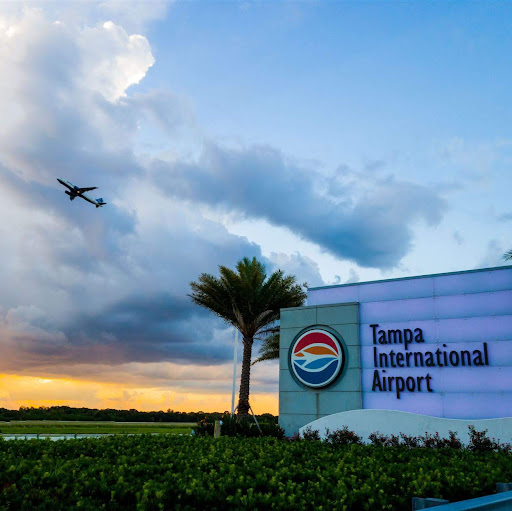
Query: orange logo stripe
(320, 350)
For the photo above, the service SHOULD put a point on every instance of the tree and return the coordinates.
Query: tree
(507, 255)
(249, 300)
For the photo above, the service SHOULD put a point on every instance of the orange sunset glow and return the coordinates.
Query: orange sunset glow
(16, 391)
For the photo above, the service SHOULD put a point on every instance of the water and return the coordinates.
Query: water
(69, 436)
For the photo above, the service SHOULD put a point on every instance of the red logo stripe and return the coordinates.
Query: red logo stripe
(315, 337)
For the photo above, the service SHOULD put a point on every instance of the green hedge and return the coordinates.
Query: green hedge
(168, 472)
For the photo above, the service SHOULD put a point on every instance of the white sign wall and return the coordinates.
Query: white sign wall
(436, 345)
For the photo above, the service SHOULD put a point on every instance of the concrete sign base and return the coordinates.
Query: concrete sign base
(392, 422)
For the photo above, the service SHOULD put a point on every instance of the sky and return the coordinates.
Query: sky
(338, 141)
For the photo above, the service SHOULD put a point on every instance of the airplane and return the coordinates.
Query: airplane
(73, 191)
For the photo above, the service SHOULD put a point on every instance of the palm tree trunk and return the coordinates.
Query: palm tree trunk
(243, 400)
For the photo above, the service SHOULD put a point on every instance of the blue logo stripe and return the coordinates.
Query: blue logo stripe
(320, 362)
(316, 378)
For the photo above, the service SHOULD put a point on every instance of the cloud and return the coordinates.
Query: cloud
(62, 105)
(374, 165)
(353, 277)
(369, 224)
(81, 284)
(114, 60)
(303, 268)
(134, 15)
(506, 217)
(458, 238)
(493, 255)
(472, 161)
(117, 311)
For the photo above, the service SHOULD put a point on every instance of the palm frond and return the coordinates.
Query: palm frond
(269, 348)
(247, 298)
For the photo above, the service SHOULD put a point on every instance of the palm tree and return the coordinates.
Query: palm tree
(250, 301)
(507, 255)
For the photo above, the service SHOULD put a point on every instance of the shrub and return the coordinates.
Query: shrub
(411, 442)
(342, 436)
(453, 441)
(203, 428)
(480, 442)
(433, 441)
(381, 440)
(233, 426)
(310, 434)
(272, 430)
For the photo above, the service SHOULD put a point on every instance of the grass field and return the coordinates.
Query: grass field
(86, 427)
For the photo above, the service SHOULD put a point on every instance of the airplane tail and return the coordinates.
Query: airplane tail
(99, 202)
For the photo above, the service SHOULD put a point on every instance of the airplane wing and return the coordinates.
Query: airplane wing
(67, 185)
(82, 190)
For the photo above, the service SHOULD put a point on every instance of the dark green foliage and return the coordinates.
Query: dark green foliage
(411, 441)
(310, 434)
(247, 297)
(342, 437)
(273, 430)
(480, 442)
(242, 427)
(67, 413)
(169, 472)
(381, 440)
(204, 428)
(269, 349)
(436, 442)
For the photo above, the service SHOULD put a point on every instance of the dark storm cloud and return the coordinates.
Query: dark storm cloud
(372, 228)
(154, 328)
(145, 326)
(140, 322)
(158, 328)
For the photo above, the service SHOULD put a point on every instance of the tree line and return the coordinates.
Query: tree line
(68, 413)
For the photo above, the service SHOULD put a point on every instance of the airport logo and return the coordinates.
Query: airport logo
(316, 358)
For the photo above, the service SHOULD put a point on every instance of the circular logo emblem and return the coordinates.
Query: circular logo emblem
(316, 358)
